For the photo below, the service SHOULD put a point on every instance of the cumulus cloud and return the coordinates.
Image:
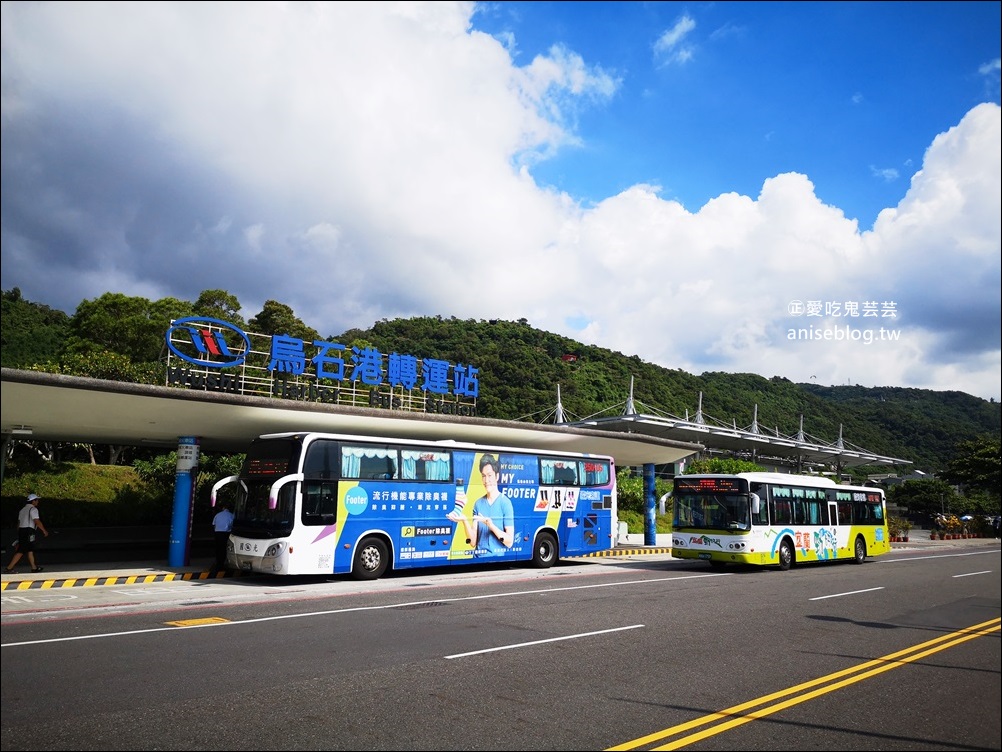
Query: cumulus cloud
(366, 161)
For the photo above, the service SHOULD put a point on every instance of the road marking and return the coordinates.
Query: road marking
(332, 612)
(198, 622)
(736, 715)
(541, 642)
(839, 595)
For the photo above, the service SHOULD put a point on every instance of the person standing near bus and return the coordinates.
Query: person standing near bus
(222, 524)
(491, 531)
(28, 525)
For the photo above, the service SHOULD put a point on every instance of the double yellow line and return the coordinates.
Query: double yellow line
(738, 715)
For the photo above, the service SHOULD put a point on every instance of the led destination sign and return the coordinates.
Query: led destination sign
(708, 485)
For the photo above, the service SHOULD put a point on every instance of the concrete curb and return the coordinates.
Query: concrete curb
(137, 572)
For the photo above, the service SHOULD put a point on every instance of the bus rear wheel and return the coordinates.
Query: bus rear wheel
(372, 557)
(859, 552)
(785, 555)
(545, 551)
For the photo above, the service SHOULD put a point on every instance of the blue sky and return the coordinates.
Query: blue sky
(717, 97)
(802, 190)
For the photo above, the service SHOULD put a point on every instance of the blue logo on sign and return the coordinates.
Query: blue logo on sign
(356, 500)
(209, 346)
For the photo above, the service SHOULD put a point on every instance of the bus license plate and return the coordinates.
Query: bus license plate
(704, 556)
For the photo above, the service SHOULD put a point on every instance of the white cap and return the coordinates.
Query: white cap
(32, 497)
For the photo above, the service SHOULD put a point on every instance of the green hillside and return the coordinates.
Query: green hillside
(521, 367)
(520, 370)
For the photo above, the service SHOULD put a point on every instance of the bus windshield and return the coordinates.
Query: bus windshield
(266, 462)
(253, 518)
(721, 511)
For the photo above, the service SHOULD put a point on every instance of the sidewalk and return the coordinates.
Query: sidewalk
(86, 574)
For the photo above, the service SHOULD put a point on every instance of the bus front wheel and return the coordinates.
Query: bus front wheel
(785, 555)
(545, 551)
(859, 552)
(372, 557)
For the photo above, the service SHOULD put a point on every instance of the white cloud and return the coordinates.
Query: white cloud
(366, 161)
(887, 174)
(670, 47)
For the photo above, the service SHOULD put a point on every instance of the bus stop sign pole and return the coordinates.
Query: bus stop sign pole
(178, 555)
(650, 525)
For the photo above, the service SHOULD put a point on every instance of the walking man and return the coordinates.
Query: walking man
(28, 524)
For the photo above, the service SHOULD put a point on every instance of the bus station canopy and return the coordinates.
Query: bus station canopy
(753, 445)
(49, 407)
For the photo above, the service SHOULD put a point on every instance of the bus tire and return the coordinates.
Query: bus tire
(786, 554)
(372, 557)
(859, 550)
(545, 551)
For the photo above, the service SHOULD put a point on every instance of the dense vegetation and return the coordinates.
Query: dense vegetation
(520, 368)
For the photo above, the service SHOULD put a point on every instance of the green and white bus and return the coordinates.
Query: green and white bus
(774, 519)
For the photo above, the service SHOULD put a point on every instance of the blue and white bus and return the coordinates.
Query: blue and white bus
(319, 503)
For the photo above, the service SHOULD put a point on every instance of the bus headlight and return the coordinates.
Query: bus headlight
(274, 550)
(737, 546)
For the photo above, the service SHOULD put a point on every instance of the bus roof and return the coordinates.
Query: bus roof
(440, 444)
(811, 481)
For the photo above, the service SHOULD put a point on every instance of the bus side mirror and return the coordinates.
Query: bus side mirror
(756, 503)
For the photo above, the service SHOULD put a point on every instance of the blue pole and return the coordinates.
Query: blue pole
(178, 554)
(650, 527)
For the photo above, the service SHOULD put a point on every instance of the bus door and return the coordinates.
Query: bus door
(841, 539)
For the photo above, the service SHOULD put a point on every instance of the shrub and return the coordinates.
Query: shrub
(898, 527)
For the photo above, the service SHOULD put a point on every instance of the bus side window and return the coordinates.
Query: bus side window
(799, 512)
(378, 468)
(368, 462)
(782, 514)
(565, 476)
(596, 473)
(762, 516)
(321, 460)
(319, 503)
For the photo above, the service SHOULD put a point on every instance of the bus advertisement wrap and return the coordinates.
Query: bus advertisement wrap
(344, 504)
(768, 519)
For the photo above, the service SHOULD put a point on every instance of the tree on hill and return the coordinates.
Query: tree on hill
(977, 468)
(130, 326)
(722, 465)
(926, 496)
(29, 332)
(219, 304)
(278, 318)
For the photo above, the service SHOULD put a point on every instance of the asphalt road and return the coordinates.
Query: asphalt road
(629, 652)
